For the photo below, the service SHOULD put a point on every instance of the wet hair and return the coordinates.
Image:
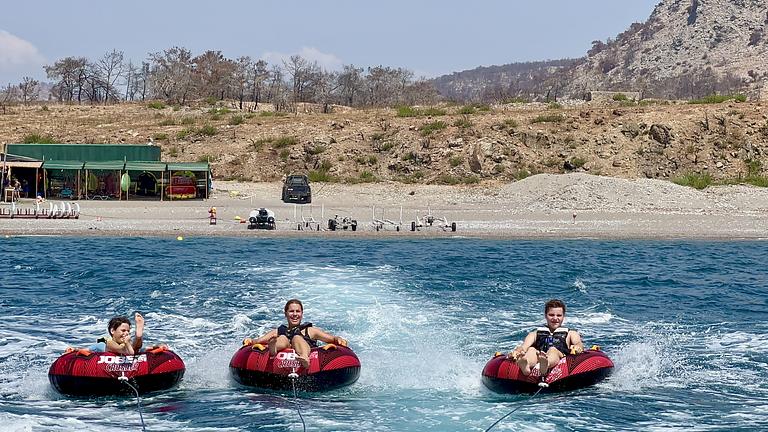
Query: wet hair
(293, 301)
(554, 303)
(116, 322)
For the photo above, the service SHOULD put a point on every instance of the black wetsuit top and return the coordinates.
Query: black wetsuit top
(546, 339)
(301, 330)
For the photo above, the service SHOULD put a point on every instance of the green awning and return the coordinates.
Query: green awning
(145, 166)
(91, 152)
(63, 164)
(189, 166)
(105, 165)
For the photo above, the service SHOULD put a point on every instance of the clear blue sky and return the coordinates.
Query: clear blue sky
(429, 37)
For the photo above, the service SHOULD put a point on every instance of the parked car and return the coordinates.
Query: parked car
(296, 189)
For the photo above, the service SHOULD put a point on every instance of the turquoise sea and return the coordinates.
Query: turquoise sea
(685, 323)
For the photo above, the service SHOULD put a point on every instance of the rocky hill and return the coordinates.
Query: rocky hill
(686, 49)
(437, 145)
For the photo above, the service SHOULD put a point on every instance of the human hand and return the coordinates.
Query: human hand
(514, 354)
(576, 349)
(340, 341)
(139, 324)
(247, 341)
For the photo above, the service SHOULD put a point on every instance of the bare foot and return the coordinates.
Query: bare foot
(543, 364)
(303, 361)
(523, 365)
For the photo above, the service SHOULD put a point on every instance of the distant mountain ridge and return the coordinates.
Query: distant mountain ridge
(686, 49)
(501, 82)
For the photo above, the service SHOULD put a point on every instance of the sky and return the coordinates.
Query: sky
(429, 37)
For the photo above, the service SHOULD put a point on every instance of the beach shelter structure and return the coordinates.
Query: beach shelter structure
(105, 171)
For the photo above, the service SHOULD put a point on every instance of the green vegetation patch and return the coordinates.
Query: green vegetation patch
(38, 139)
(284, 141)
(716, 99)
(448, 179)
(368, 177)
(407, 111)
(206, 158)
(208, 130)
(316, 150)
(429, 128)
(548, 118)
(236, 120)
(434, 112)
(156, 105)
(694, 180)
(456, 161)
(463, 123)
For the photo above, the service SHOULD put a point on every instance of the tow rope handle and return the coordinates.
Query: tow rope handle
(85, 352)
(158, 349)
(256, 346)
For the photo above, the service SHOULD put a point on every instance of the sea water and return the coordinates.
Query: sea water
(685, 323)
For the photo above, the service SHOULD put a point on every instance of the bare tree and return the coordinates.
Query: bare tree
(211, 73)
(69, 76)
(351, 82)
(242, 79)
(326, 85)
(29, 89)
(143, 80)
(8, 96)
(171, 74)
(297, 67)
(108, 70)
(130, 81)
(421, 92)
(260, 75)
(276, 91)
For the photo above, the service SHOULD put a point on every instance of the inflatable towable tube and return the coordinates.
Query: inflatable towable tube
(572, 372)
(88, 373)
(330, 367)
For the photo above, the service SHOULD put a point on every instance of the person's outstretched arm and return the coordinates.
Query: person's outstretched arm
(138, 339)
(262, 339)
(319, 334)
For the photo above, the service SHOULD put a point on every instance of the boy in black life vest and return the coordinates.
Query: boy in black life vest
(547, 345)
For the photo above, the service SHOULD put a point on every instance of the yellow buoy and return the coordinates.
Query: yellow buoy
(179, 238)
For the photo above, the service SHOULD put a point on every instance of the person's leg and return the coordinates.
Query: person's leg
(549, 360)
(527, 361)
(278, 344)
(302, 350)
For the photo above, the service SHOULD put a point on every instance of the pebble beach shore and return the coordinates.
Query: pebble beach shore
(542, 206)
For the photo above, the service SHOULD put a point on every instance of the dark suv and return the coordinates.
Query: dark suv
(296, 189)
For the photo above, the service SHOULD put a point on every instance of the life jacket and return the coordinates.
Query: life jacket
(300, 330)
(546, 339)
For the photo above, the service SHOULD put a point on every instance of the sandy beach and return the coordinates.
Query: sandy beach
(542, 206)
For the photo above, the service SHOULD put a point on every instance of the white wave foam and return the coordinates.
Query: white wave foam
(581, 286)
(591, 318)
